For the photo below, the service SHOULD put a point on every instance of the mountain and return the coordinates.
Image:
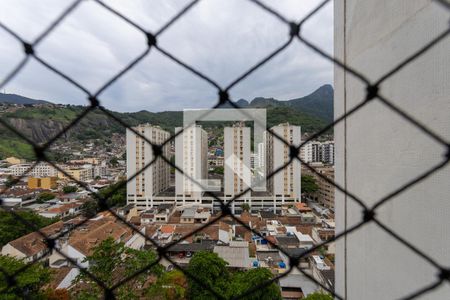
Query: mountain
(17, 99)
(318, 104)
(41, 123)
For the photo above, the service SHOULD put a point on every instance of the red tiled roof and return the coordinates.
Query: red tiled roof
(87, 241)
(167, 229)
(33, 243)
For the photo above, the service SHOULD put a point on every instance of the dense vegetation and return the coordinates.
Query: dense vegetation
(119, 194)
(111, 262)
(44, 197)
(319, 296)
(212, 272)
(309, 184)
(11, 228)
(69, 189)
(14, 146)
(28, 282)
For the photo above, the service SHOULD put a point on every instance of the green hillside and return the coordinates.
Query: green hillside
(42, 123)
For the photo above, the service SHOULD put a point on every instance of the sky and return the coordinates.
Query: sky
(222, 39)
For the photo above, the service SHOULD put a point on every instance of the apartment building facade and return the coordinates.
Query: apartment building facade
(83, 174)
(41, 169)
(237, 166)
(285, 184)
(191, 156)
(325, 193)
(156, 178)
(315, 151)
(46, 183)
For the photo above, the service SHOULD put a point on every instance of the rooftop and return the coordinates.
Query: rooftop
(237, 257)
(33, 243)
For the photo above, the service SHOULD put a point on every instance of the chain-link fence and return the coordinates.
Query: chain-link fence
(373, 93)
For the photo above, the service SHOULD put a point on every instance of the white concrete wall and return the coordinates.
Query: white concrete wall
(70, 277)
(377, 151)
(11, 251)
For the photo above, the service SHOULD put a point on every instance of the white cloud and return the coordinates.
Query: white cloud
(219, 38)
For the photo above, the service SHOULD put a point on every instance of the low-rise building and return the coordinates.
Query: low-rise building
(32, 246)
(297, 286)
(42, 169)
(195, 215)
(83, 174)
(82, 240)
(308, 218)
(46, 183)
(62, 210)
(160, 214)
(236, 254)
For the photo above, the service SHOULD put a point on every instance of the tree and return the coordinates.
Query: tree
(171, 285)
(114, 162)
(245, 207)
(27, 283)
(118, 196)
(309, 184)
(319, 296)
(90, 209)
(111, 262)
(218, 170)
(12, 228)
(244, 281)
(211, 270)
(45, 196)
(69, 189)
(10, 181)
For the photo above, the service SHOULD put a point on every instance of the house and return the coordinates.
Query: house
(159, 214)
(322, 271)
(267, 214)
(308, 218)
(302, 207)
(236, 254)
(183, 251)
(195, 215)
(287, 241)
(164, 234)
(62, 210)
(296, 286)
(269, 259)
(32, 246)
(82, 240)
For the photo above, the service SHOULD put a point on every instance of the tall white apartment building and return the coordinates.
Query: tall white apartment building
(261, 155)
(237, 158)
(306, 152)
(155, 179)
(41, 169)
(310, 152)
(315, 151)
(191, 155)
(286, 183)
(327, 152)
